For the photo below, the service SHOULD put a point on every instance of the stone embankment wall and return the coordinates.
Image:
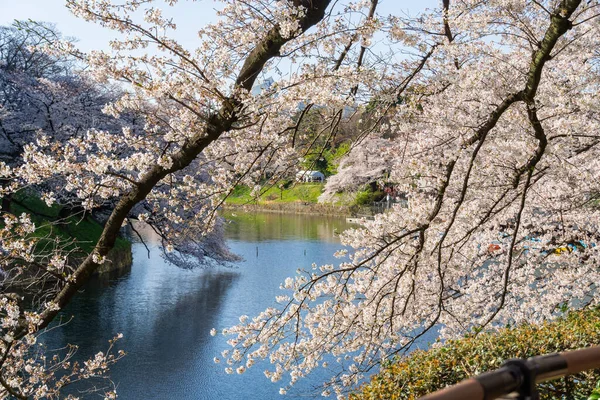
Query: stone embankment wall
(294, 208)
(118, 260)
(307, 208)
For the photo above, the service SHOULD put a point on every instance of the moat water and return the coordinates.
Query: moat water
(165, 313)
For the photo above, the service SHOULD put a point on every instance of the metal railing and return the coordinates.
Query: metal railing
(519, 377)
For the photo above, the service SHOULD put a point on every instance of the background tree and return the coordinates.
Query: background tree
(24, 71)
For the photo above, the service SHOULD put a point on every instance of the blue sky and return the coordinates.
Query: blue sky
(188, 16)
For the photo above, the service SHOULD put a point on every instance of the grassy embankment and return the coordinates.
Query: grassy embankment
(298, 193)
(78, 233)
(303, 198)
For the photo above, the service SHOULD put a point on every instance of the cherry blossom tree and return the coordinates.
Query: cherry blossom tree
(203, 131)
(26, 73)
(494, 143)
(45, 97)
(496, 147)
(365, 163)
(60, 108)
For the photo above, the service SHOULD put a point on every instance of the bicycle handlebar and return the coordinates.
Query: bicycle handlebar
(520, 374)
(581, 360)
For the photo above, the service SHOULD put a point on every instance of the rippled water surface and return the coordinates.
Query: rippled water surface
(166, 313)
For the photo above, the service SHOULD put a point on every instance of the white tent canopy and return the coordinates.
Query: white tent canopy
(310, 176)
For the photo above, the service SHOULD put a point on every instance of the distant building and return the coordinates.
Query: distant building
(310, 176)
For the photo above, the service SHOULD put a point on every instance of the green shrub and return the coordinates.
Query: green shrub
(367, 197)
(595, 395)
(425, 371)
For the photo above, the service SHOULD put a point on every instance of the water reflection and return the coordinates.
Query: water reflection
(163, 313)
(257, 227)
(166, 313)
